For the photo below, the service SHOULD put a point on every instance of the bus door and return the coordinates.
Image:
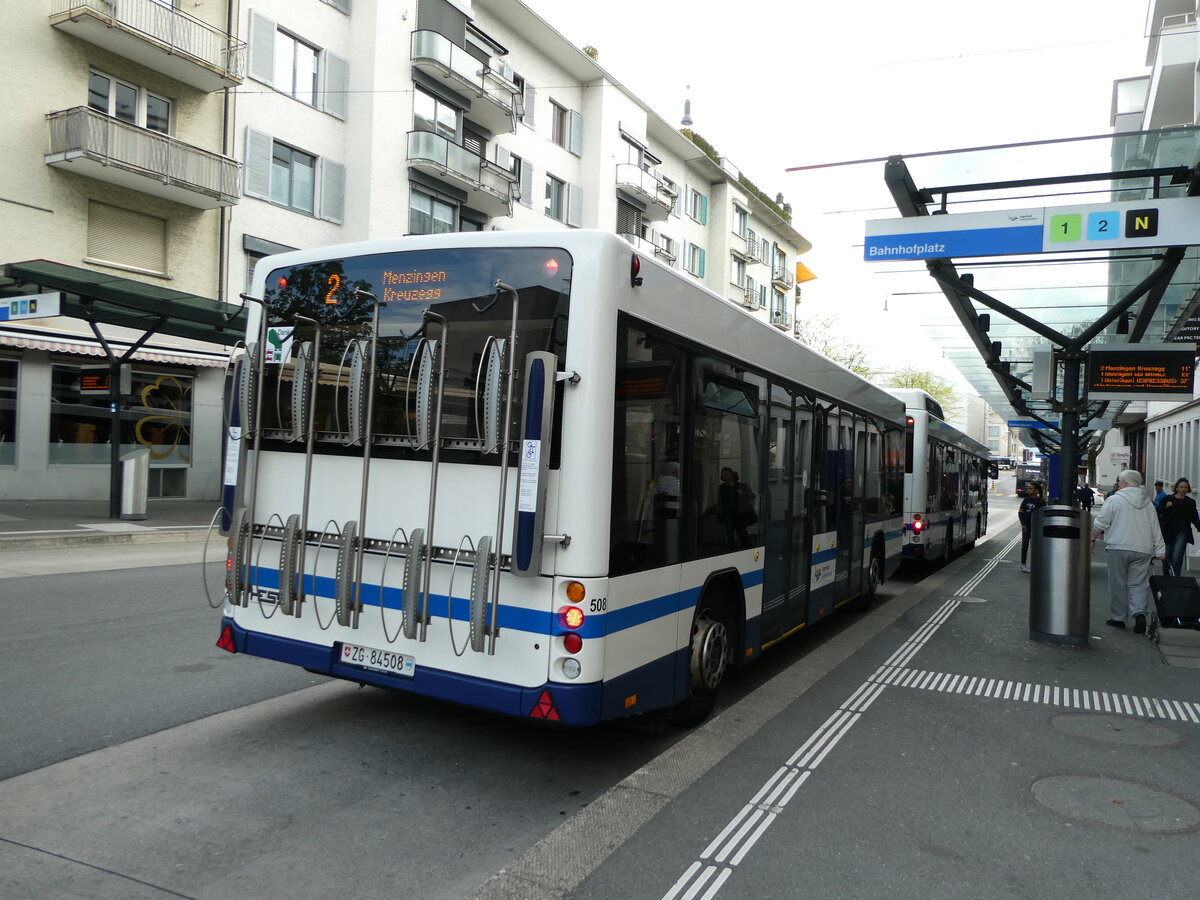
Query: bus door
(778, 507)
(857, 524)
(848, 539)
(799, 550)
(822, 505)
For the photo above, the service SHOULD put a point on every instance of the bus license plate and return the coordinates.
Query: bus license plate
(379, 660)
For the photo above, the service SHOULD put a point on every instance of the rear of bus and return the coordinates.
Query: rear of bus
(399, 503)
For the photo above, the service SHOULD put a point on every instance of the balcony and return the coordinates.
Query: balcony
(640, 243)
(743, 247)
(158, 37)
(492, 189)
(647, 187)
(783, 277)
(747, 295)
(781, 319)
(664, 247)
(436, 56)
(93, 144)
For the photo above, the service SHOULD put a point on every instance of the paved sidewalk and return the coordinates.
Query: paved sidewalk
(30, 524)
(945, 755)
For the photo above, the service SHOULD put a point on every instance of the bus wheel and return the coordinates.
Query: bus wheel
(862, 602)
(706, 670)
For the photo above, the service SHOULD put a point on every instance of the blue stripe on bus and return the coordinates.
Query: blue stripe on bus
(823, 556)
(514, 617)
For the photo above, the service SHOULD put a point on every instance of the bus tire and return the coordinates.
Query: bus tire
(862, 602)
(708, 659)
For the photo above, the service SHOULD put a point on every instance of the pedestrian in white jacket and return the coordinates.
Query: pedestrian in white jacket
(1132, 539)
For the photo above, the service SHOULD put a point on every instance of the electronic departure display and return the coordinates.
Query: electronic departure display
(1141, 372)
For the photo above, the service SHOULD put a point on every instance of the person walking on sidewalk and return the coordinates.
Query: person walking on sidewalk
(1132, 538)
(1177, 516)
(1033, 500)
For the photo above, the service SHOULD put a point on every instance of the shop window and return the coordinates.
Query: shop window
(156, 415)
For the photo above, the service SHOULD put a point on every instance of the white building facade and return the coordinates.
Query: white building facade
(322, 122)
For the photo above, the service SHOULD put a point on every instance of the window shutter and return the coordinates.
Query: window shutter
(703, 209)
(333, 190)
(126, 238)
(262, 48)
(700, 251)
(574, 205)
(335, 78)
(530, 104)
(503, 157)
(258, 164)
(526, 184)
(575, 144)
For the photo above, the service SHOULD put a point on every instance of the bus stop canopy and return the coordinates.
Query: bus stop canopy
(103, 299)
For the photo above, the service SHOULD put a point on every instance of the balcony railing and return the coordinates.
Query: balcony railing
(436, 55)
(664, 247)
(781, 319)
(639, 242)
(107, 149)
(492, 188)
(646, 186)
(158, 37)
(783, 276)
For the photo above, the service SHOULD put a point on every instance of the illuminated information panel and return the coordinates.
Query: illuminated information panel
(1105, 226)
(1141, 372)
(30, 306)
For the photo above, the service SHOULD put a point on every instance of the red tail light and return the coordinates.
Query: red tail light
(572, 642)
(917, 525)
(570, 617)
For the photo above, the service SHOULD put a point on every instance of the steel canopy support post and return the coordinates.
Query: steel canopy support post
(1069, 425)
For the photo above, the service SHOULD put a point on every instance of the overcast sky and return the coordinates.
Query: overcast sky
(775, 86)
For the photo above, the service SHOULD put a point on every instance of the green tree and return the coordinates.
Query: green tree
(817, 333)
(937, 387)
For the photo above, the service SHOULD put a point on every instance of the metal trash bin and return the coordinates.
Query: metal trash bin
(135, 483)
(1060, 565)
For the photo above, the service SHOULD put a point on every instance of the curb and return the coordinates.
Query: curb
(167, 534)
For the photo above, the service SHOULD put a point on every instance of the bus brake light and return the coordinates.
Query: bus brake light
(570, 617)
(917, 525)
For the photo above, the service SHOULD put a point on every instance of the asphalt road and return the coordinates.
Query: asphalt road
(156, 765)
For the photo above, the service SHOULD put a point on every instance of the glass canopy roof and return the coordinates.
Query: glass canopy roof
(1066, 291)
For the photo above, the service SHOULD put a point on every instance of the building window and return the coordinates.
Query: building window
(428, 214)
(993, 431)
(293, 175)
(556, 198)
(8, 412)
(527, 98)
(524, 172)
(294, 67)
(629, 220)
(693, 259)
(566, 128)
(126, 239)
(288, 177)
(696, 205)
(737, 272)
(741, 221)
(432, 114)
(672, 190)
(159, 419)
(129, 103)
(664, 247)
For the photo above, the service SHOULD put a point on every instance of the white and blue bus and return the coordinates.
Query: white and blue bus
(541, 474)
(945, 482)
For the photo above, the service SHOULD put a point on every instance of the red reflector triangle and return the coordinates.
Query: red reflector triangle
(225, 641)
(544, 709)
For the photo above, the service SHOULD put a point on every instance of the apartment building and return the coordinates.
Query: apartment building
(388, 118)
(117, 174)
(317, 122)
